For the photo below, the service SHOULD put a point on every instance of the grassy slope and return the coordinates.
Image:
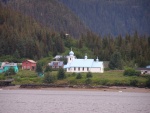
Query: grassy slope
(27, 77)
(106, 78)
(115, 78)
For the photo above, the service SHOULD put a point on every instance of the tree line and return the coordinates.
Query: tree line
(133, 49)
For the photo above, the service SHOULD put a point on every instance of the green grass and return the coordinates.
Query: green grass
(115, 78)
(27, 77)
(108, 78)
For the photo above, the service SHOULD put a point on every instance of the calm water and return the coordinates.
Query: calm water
(52, 101)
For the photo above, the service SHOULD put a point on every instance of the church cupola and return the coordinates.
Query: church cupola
(71, 56)
(85, 57)
(97, 59)
(71, 53)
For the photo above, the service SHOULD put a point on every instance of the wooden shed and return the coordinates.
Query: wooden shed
(29, 65)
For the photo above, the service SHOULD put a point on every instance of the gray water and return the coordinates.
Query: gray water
(59, 101)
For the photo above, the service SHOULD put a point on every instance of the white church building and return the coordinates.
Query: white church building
(83, 65)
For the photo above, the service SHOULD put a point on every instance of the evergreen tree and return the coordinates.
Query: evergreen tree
(39, 68)
(61, 74)
(16, 54)
(48, 78)
(115, 61)
(89, 75)
(48, 68)
(79, 76)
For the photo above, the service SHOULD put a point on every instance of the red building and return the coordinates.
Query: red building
(29, 64)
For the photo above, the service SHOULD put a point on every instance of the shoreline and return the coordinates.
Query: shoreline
(102, 89)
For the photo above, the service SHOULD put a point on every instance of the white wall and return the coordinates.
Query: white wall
(93, 70)
(96, 70)
(80, 69)
(70, 58)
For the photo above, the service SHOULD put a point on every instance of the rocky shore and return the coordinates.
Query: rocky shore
(60, 86)
(76, 87)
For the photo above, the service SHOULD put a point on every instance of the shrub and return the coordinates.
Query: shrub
(88, 81)
(117, 83)
(11, 71)
(48, 78)
(73, 74)
(148, 82)
(104, 82)
(68, 75)
(106, 69)
(48, 68)
(89, 75)
(79, 76)
(2, 77)
(73, 82)
(131, 72)
(61, 74)
(137, 73)
(133, 82)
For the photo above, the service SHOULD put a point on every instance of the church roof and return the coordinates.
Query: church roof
(84, 63)
(97, 64)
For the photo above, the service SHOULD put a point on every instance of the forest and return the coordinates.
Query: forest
(50, 13)
(22, 37)
(115, 17)
(134, 49)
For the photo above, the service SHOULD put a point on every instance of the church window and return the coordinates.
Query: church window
(83, 68)
(74, 68)
(87, 69)
(78, 68)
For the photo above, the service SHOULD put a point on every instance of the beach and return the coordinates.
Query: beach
(104, 88)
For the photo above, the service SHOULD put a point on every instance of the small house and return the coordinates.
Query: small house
(56, 64)
(5, 66)
(29, 65)
(57, 57)
(145, 70)
(1, 67)
(148, 66)
(60, 58)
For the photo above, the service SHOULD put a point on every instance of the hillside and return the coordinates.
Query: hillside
(113, 16)
(50, 13)
(22, 37)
